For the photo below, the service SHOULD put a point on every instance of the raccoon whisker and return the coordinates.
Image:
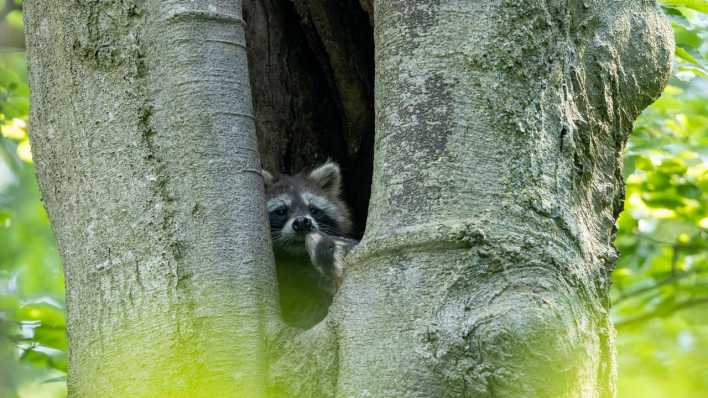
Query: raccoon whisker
(288, 241)
(330, 230)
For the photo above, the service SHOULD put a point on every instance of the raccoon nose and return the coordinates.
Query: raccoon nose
(302, 224)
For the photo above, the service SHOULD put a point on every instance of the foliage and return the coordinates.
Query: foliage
(660, 285)
(32, 326)
(660, 292)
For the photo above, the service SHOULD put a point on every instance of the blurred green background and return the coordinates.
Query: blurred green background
(660, 290)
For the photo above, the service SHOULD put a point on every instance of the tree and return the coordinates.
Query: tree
(484, 269)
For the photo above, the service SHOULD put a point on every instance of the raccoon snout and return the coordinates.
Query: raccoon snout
(302, 224)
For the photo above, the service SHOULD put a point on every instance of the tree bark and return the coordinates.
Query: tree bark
(496, 186)
(148, 164)
(484, 269)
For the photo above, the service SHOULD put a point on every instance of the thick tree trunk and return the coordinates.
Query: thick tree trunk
(147, 159)
(496, 187)
(485, 264)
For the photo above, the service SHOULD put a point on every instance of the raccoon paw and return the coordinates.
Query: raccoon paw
(327, 255)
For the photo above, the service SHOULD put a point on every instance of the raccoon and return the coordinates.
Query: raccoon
(309, 226)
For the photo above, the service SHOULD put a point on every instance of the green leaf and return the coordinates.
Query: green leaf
(698, 5)
(689, 190)
(54, 337)
(662, 200)
(43, 357)
(14, 19)
(685, 55)
(657, 182)
(695, 70)
(5, 219)
(9, 304)
(687, 37)
(673, 165)
(643, 163)
(48, 314)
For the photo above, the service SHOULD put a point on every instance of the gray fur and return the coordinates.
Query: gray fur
(314, 196)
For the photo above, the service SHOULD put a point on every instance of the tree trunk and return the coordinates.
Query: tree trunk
(147, 160)
(496, 186)
(484, 269)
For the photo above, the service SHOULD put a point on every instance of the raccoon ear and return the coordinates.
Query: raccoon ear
(267, 178)
(328, 177)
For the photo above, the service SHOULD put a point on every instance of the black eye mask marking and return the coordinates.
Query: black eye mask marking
(277, 218)
(327, 224)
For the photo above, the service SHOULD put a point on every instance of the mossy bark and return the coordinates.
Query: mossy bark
(484, 268)
(497, 180)
(143, 132)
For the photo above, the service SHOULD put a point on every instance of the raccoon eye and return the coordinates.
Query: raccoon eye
(280, 211)
(314, 210)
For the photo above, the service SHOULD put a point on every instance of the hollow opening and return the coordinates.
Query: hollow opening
(312, 76)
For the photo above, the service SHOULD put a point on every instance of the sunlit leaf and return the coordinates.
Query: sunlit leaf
(698, 5)
(657, 182)
(45, 312)
(673, 165)
(662, 200)
(703, 223)
(14, 129)
(24, 151)
(643, 163)
(14, 19)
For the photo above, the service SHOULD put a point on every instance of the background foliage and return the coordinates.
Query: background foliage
(660, 291)
(32, 328)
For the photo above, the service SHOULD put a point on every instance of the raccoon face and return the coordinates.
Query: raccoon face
(304, 203)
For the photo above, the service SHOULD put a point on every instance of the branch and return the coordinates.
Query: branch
(663, 242)
(665, 281)
(661, 312)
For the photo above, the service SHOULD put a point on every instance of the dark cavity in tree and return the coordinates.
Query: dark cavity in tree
(312, 76)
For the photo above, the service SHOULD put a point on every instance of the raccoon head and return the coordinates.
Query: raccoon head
(304, 203)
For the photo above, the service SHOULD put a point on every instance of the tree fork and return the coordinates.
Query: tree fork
(485, 264)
